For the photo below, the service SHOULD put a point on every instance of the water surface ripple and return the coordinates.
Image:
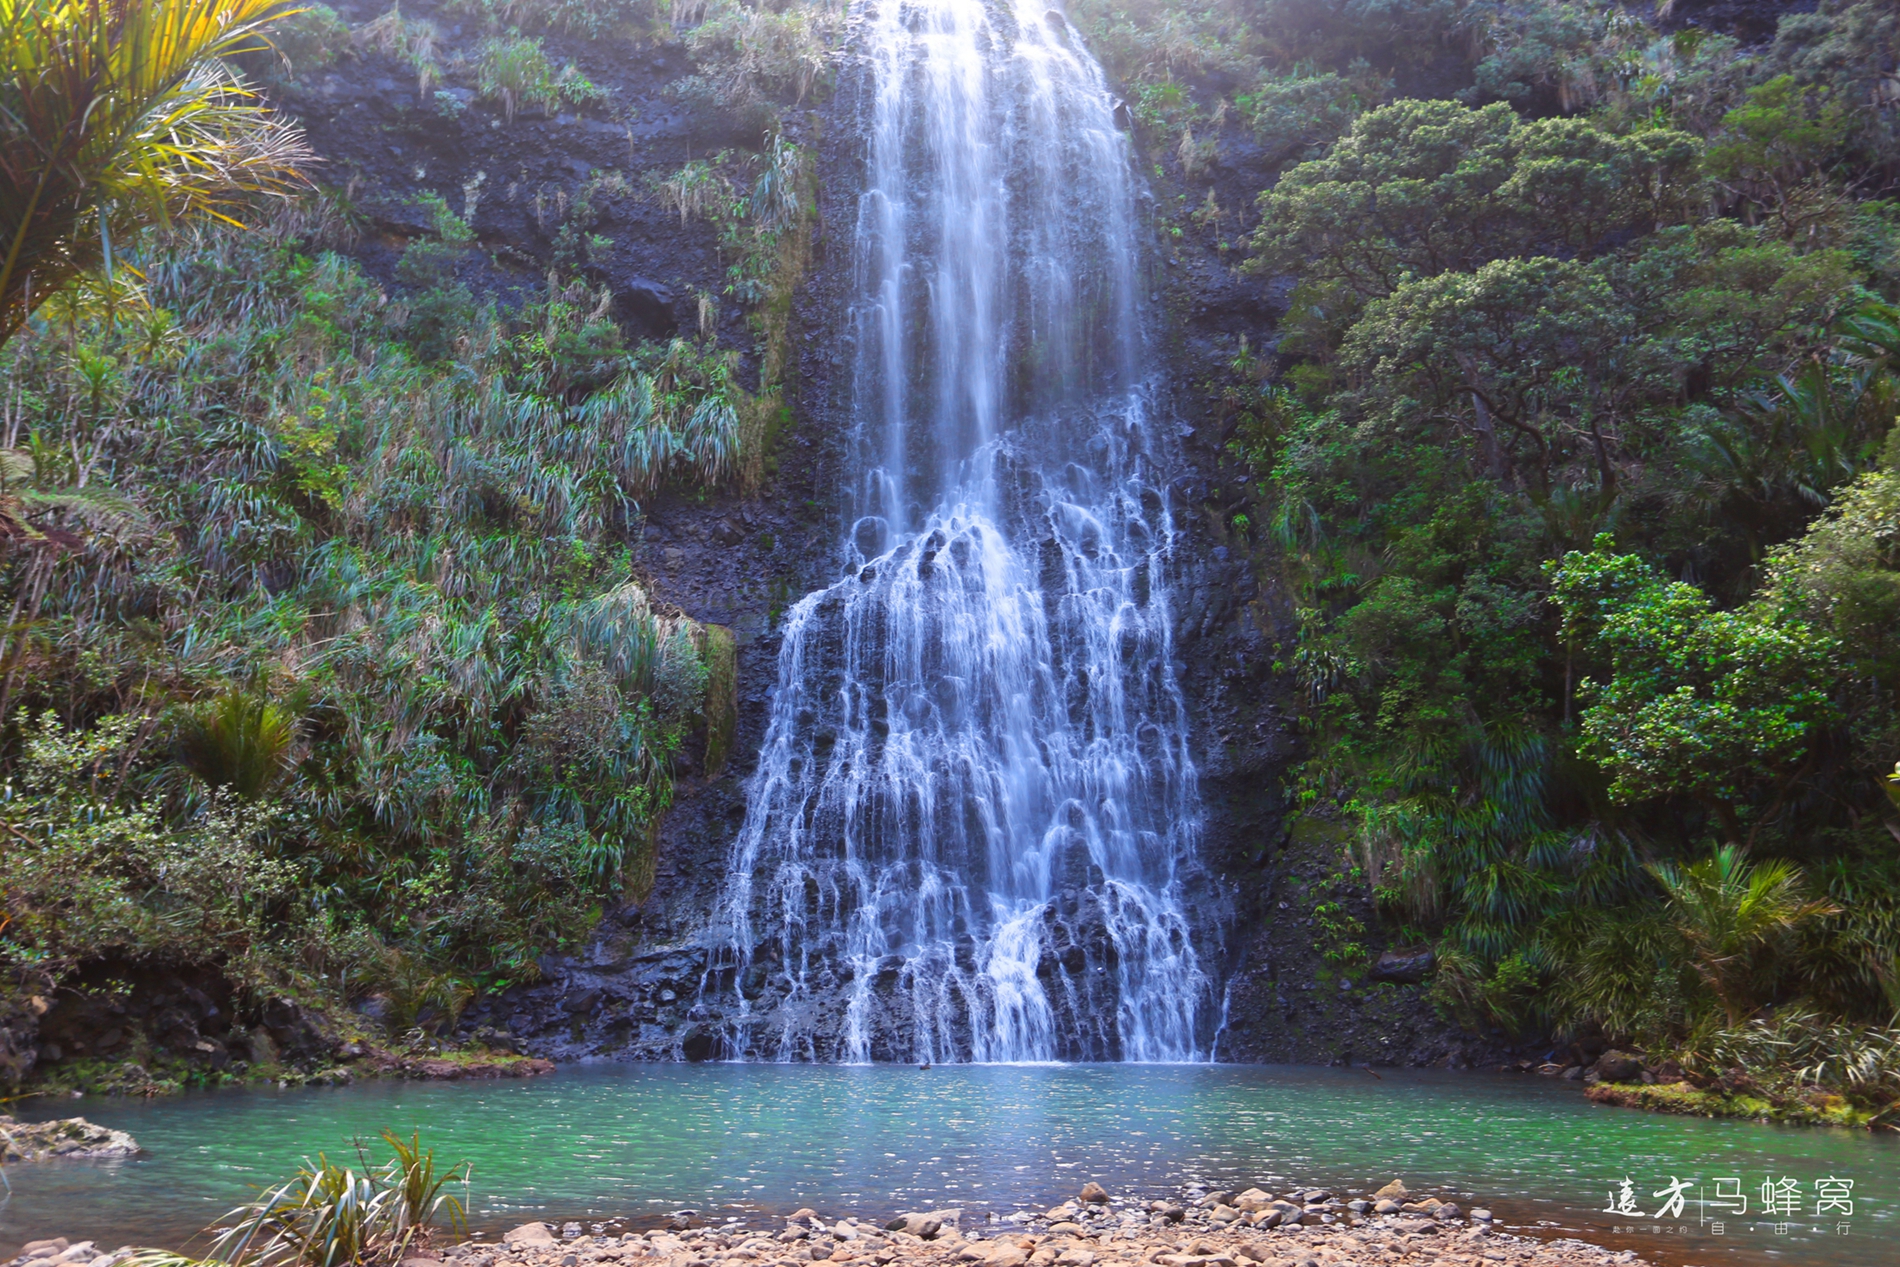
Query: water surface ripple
(627, 1140)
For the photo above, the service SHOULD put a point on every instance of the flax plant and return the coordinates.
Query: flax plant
(329, 1215)
(120, 114)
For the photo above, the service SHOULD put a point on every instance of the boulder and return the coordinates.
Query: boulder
(1618, 1066)
(923, 1226)
(1094, 1194)
(1404, 967)
(71, 1137)
(529, 1236)
(1006, 1254)
(1253, 1199)
(1394, 1191)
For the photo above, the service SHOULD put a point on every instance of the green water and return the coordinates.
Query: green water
(638, 1140)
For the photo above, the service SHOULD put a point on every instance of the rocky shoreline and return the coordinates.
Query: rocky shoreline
(1255, 1228)
(1391, 1227)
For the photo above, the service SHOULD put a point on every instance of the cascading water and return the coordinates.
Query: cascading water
(974, 822)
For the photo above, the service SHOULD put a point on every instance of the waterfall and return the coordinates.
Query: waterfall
(972, 831)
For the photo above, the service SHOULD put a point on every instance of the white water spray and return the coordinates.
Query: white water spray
(974, 817)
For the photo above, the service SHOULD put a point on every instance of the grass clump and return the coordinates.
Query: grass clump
(515, 71)
(330, 1215)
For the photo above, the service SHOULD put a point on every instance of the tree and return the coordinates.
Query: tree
(1775, 151)
(119, 114)
(1419, 188)
(1735, 917)
(1719, 706)
(1557, 369)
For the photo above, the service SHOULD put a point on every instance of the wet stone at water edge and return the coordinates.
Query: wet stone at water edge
(1250, 1228)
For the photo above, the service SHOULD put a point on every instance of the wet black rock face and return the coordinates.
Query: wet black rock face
(636, 991)
(147, 1018)
(636, 994)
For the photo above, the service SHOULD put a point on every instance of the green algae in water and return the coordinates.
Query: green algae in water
(631, 1140)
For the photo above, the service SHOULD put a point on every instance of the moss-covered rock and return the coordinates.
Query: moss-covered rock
(1690, 1100)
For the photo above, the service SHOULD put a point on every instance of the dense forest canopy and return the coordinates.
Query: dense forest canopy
(1574, 448)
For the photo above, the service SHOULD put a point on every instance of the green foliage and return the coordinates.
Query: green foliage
(419, 563)
(88, 875)
(755, 56)
(514, 70)
(1533, 369)
(755, 204)
(1388, 33)
(237, 741)
(1420, 188)
(1800, 1049)
(1718, 706)
(1777, 150)
(331, 1215)
(591, 19)
(302, 43)
(115, 118)
(1305, 107)
(1340, 933)
(1570, 55)
(1734, 917)
(1850, 48)
(418, 42)
(440, 308)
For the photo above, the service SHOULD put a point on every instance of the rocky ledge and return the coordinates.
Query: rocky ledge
(1255, 1228)
(452, 1066)
(72, 1137)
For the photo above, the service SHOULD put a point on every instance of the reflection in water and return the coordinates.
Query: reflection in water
(628, 1140)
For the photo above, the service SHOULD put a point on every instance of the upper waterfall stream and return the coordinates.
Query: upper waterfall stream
(972, 831)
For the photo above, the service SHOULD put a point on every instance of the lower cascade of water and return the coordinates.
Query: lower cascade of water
(972, 832)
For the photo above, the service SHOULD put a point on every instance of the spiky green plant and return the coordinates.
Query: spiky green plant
(330, 1215)
(514, 71)
(238, 740)
(1735, 915)
(118, 114)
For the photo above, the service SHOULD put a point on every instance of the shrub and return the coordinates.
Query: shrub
(440, 307)
(516, 72)
(756, 55)
(335, 1216)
